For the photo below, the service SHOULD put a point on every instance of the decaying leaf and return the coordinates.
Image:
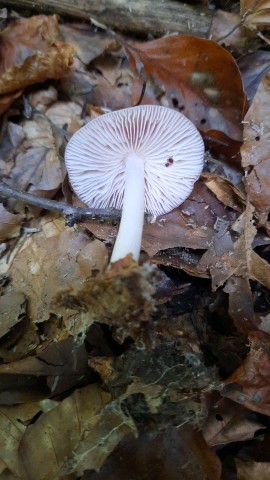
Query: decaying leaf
(191, 225)
(41, 99)
(229, 422)
(12, 309)
(33, 149)
(7, 100)
(88, 42)
(53, 366)
(51, 260)
(198, 77)
(226, 192)
(76, 435)
(176, 454)
(235, 262)
(227, 30)
(253, 67)
(13, 421)
(255, 13)
(66, 115)
(123, 297)
(32, 52)
(249, 384)
(10, 224)
(163, 376)
(250, 470)
(255, 149)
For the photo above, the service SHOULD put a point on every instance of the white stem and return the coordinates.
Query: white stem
(130, 231)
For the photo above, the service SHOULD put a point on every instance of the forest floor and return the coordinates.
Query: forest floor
(157, 370)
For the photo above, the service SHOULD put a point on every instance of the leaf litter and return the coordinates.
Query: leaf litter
(98, 363)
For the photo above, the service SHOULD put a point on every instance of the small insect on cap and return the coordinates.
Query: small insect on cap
(168, 144)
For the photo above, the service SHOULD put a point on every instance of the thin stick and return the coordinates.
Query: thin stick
(71, 214)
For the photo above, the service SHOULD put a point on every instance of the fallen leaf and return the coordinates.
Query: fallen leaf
(255, 152)
(227, 30)
(7, 100)
(88, 42)
(51, 260)
(66, 115)
(10, 224)
(191, 225)
(253, 68)
(249, 384)
(36, 162)
(255, 13)
(31, 52)
(12, 309)
(113, 82)
(249, 470)
(13, 137)
(123, 297)
(41, 99)
(234, 261)
(176, 454)
(229, 422)
(226, 192)
(61, 365)
(197, 77)
(13, 422)
(76, 435)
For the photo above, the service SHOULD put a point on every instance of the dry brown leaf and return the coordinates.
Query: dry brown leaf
(176, 454)
(249, 384)
(13, 137)
(226, 191)
(51, 260)
(229, 422)
(76, 435)
(58, 365)
(255, 149)
(41, 99)
(67, 115)
(253, 68)
(7, 100)
(250, 470)
(250, 264)
(10, 224)
(33, 149)
(191, 225)
(23, 337)
(198, 77)
(228, 31)
(88, 42)
(113, 82)
(255, 13)
(31, 52)
(13, 422)
(235, 262)
(12, 309)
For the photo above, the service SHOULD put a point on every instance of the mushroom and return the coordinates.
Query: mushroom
(143, 158)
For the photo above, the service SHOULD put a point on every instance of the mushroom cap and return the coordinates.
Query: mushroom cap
(167, 142)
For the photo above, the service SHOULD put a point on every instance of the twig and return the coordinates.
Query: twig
(230, 32)
(141, 96)
(71, 214)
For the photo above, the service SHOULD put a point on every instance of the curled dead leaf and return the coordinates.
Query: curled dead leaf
(32, 52)
(195, 76)
(255, 149)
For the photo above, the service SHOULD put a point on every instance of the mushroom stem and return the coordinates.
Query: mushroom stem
(131, 226)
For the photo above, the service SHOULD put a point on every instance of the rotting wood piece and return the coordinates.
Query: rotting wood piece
(133, 16)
